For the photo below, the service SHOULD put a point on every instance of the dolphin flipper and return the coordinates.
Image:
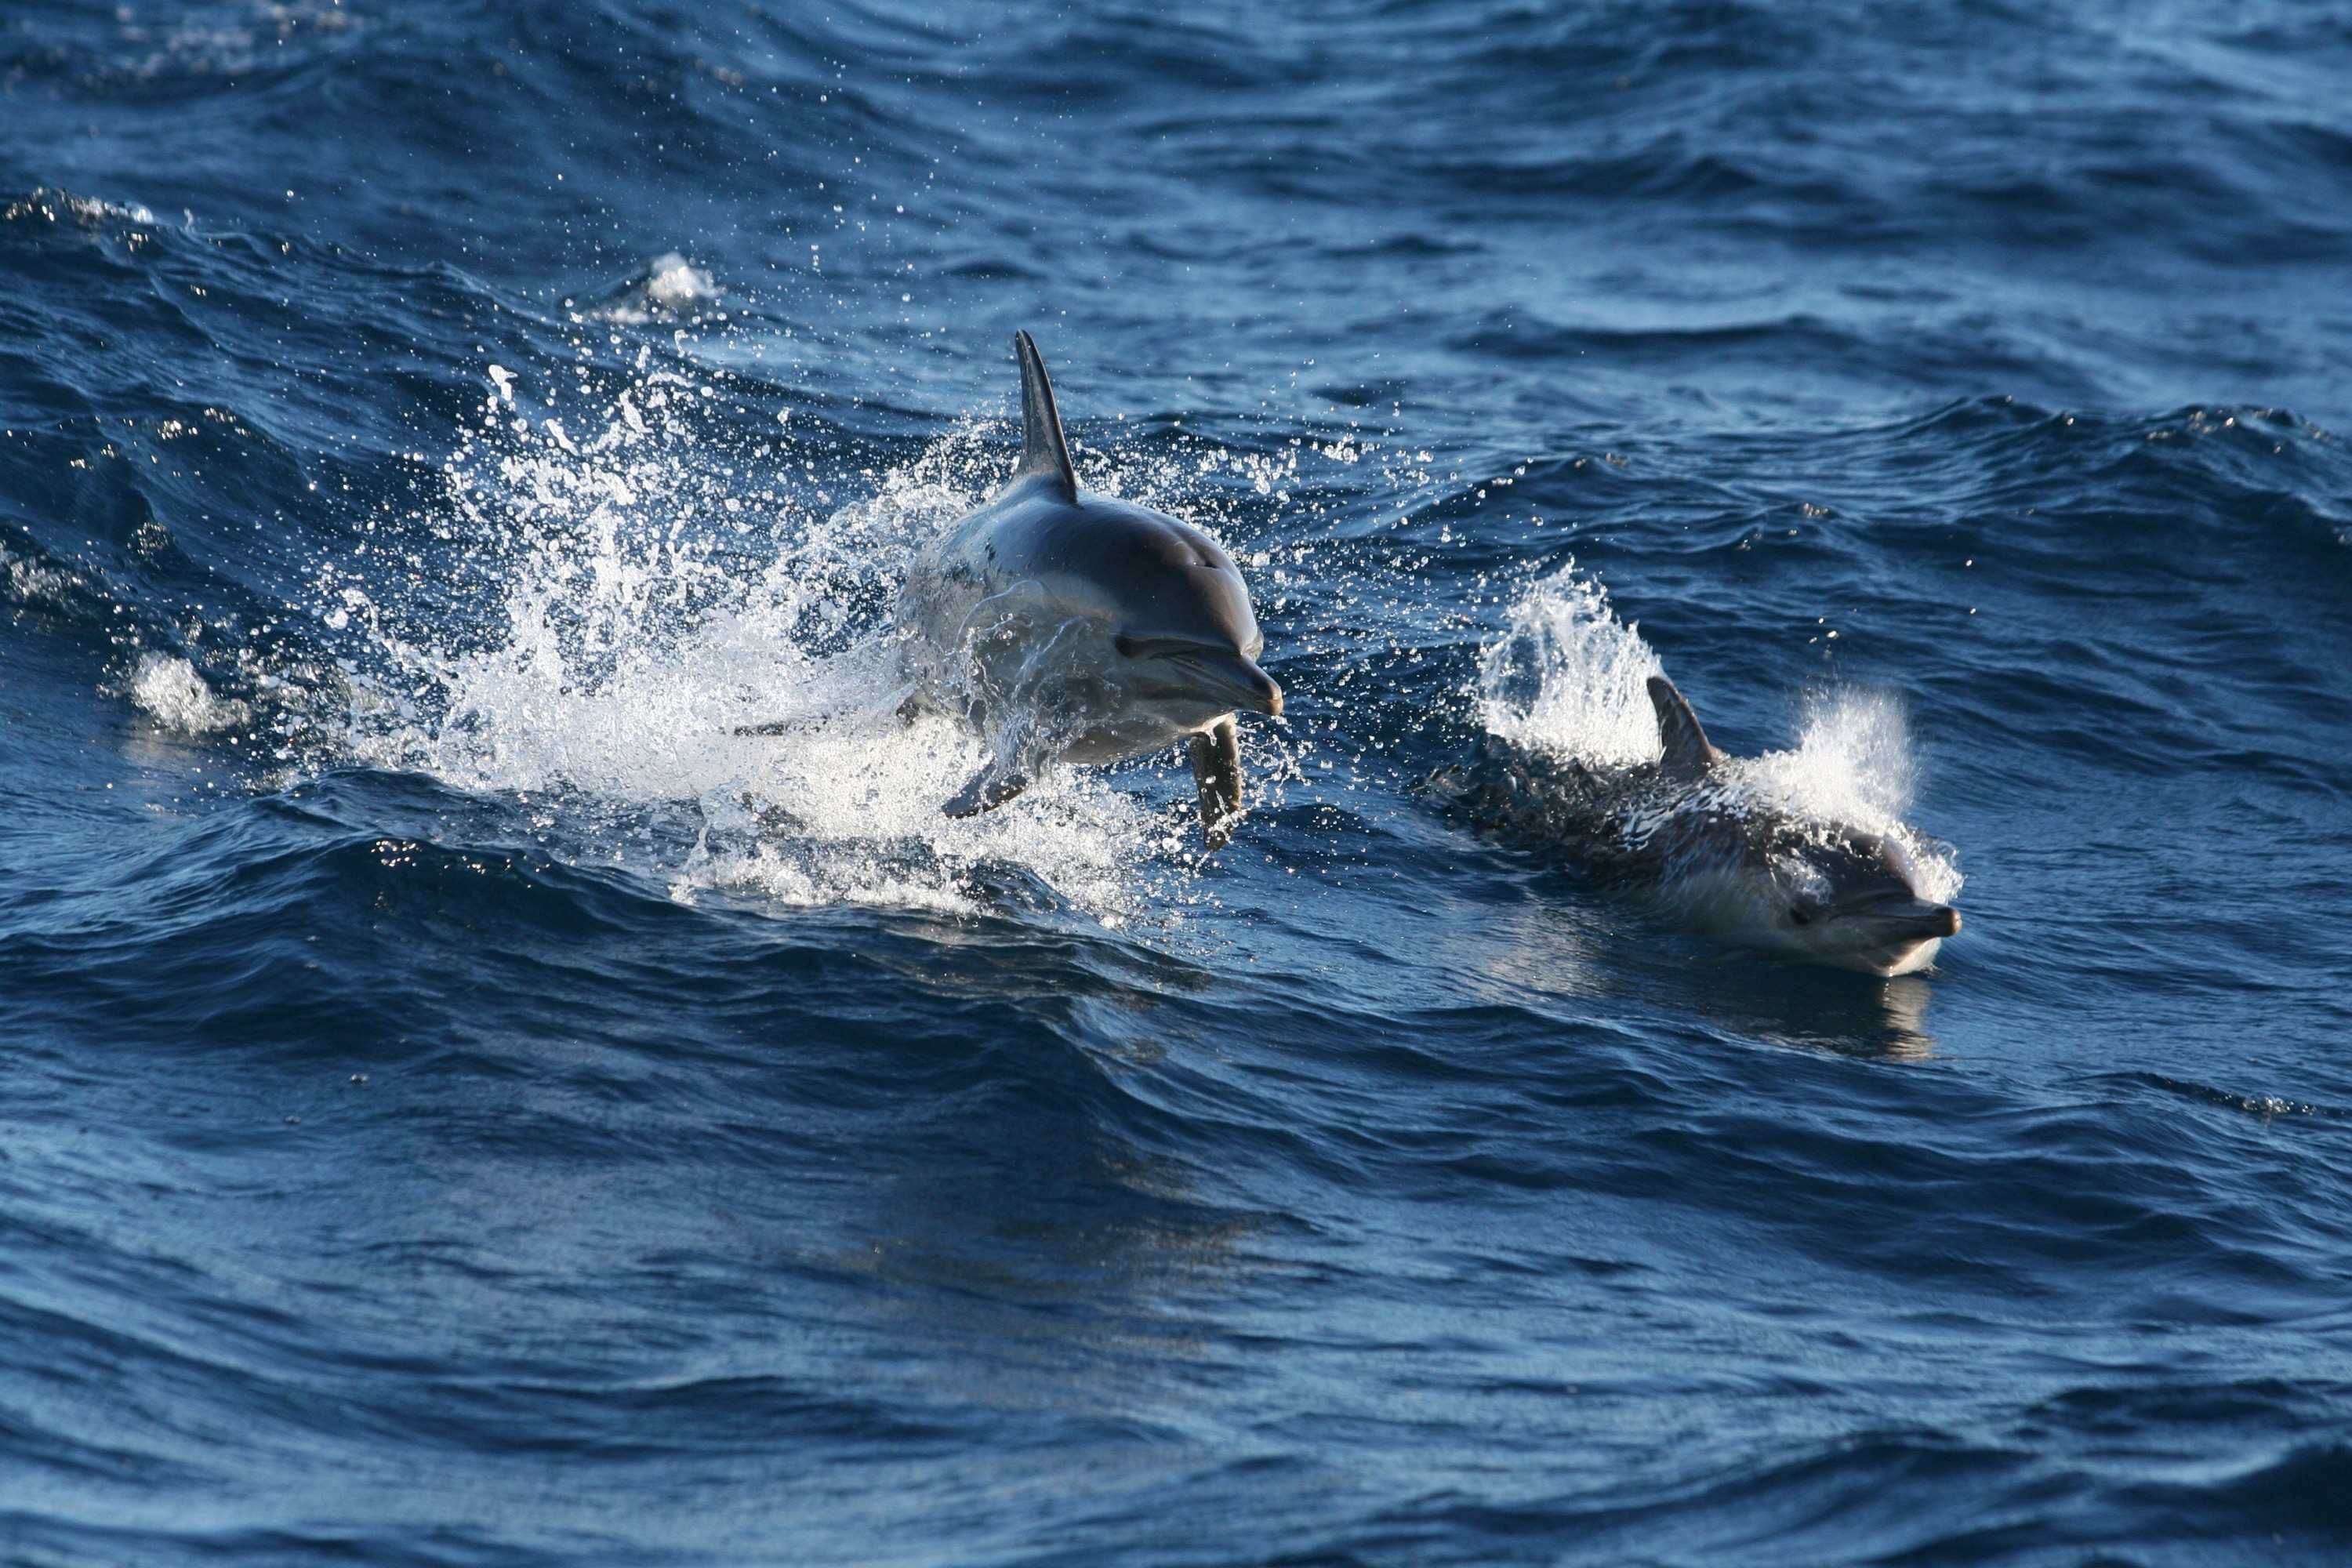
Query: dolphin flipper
(1688, 752)
(1216, 754)
(1043, 450)
(990, 788)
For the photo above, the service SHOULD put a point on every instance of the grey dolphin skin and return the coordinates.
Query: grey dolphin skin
(1683, 831)
(1069, 626)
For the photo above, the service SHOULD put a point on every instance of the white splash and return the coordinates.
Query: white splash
(1567, 677)
(170, 691)
(654, 596)
(672, 288)
(1852, 762)
(46, 202)
(677, 284)
(24, 581)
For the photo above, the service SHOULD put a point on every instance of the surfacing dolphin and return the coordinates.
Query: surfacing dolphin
(1069, 626)
(1711, 851)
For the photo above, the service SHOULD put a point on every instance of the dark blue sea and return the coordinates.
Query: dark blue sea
(463, 1104)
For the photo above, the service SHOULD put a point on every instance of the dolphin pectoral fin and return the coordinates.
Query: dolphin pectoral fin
(1688, 751)
(1216, 753)
(990, 788)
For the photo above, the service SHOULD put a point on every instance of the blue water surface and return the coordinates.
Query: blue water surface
(459, 1104)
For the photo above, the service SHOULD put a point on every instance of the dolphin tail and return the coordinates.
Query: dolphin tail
(1043, 450)
(1688, 751)
(1216, 754)
(990, 788)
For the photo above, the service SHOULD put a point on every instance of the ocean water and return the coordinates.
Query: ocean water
(461, 1103)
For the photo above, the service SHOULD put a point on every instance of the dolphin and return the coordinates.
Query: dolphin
(1068, 626)
(1710, 851)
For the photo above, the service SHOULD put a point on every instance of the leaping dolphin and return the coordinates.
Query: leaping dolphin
(1724, 860)
(1066, 625)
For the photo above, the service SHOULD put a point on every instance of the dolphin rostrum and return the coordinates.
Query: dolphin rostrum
(1066, 625)
(1724, 858)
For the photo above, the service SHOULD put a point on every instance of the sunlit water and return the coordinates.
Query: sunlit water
(463, 1101)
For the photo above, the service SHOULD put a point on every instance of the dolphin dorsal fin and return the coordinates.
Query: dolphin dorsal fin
(1043, 450)
(1688, 751)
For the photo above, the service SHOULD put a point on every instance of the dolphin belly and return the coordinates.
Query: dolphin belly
(1138, 734)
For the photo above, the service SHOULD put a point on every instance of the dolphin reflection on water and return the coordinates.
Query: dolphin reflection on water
(1067, 627)
(1722, 857)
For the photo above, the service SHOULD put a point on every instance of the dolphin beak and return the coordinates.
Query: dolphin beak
(1888, 936)
(1234, 678)
(1269, 694)
(1915, 917)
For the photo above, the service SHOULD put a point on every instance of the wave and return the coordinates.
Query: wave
(464, 1101)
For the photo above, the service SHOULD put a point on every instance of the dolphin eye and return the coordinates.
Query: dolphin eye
(1797, 914)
